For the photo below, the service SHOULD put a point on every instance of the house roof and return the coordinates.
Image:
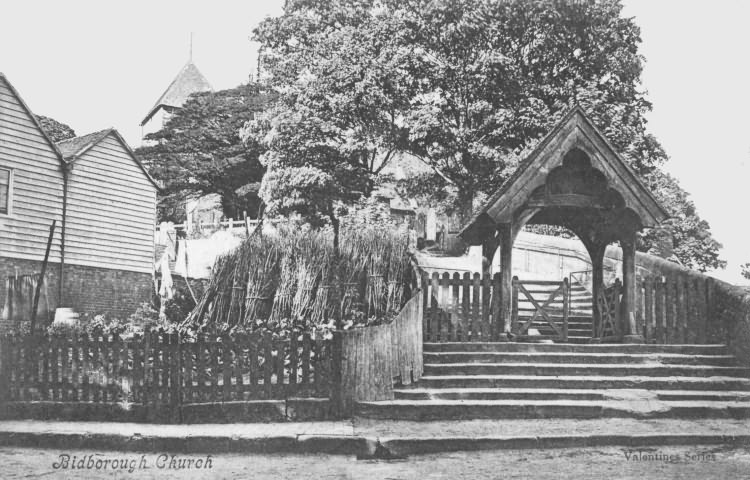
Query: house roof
(77, 145)
(188, 81)
(73, 148)
(575, 129)
(33, 118)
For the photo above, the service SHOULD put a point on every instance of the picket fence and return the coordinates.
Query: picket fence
(677, 310)
(162, 368)
(461, 308)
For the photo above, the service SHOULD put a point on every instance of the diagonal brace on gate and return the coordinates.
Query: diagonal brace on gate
(541, 310)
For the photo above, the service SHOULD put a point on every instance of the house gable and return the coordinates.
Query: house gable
(37, 180)
(111, 205)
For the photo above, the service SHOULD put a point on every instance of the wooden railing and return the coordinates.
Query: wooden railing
(162, 371)
(461, 308)
(675, 309)
(539, 300)
(373, 359)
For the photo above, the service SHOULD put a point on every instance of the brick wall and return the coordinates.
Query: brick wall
(116, 293)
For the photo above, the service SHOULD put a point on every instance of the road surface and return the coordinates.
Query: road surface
(693, 462)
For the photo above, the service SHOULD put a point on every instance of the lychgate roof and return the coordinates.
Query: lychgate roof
(574, 132)
(190, 80)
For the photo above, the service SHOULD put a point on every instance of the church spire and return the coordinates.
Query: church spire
(190, 57)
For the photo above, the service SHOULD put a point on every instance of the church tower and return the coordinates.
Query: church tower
(188, 81)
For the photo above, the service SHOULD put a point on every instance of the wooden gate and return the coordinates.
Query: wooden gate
(543, 304)
(608, 327)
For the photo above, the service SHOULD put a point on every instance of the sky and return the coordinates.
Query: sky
(99, 64)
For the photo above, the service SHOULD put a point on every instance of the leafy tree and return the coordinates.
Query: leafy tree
(199, 152)
(466, 86)
(338, 115)
(467, 83)
(57, 131)
(305, 174)
(746, 270)
(691, 240)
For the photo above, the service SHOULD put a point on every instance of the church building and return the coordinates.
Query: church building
(187, 82)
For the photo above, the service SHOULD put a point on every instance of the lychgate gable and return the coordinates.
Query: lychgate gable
(574, 179)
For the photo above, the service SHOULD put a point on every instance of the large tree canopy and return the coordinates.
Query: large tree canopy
(467, 86)
(199, 152)
(57, 131)
(691, 240)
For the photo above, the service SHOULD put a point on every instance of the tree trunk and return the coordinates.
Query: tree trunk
(465, 204)
(337, 284)
(336, 228)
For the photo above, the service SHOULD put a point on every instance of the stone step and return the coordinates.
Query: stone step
(584, 319)
(549, 332)
(572, 332)
(562, 347)
(578, 357)
(576, 325)
(531, 409)
(569, 394)
(550, 338)
(570, 369)
(586, 382)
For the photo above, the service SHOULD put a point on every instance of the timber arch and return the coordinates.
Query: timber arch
(576, 180)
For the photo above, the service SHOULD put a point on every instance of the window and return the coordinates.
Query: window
(5, 191)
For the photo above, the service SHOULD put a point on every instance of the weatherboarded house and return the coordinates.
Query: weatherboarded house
(104, 203)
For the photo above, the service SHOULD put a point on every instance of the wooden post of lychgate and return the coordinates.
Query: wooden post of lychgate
(628, 330)
(514, 305)
(566, 307)
(506, 272)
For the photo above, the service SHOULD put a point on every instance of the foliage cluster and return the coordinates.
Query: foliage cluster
(199, 152)
(467, 87)
(57, 131)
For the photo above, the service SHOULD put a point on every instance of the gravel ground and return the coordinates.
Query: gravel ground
(693, 462)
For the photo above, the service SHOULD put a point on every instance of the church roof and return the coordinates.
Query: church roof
(190, 80)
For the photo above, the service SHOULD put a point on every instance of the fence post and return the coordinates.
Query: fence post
(4, 368)
(659, 310)
(514, 305)
(146, 390)
(336, 384)
(649, 333)
(174, 380)
(715, 332)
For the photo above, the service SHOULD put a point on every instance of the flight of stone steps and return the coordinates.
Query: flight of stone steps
(529, 380)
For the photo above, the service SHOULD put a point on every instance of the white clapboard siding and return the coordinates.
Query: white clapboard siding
(110, 211)
(37, 183)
